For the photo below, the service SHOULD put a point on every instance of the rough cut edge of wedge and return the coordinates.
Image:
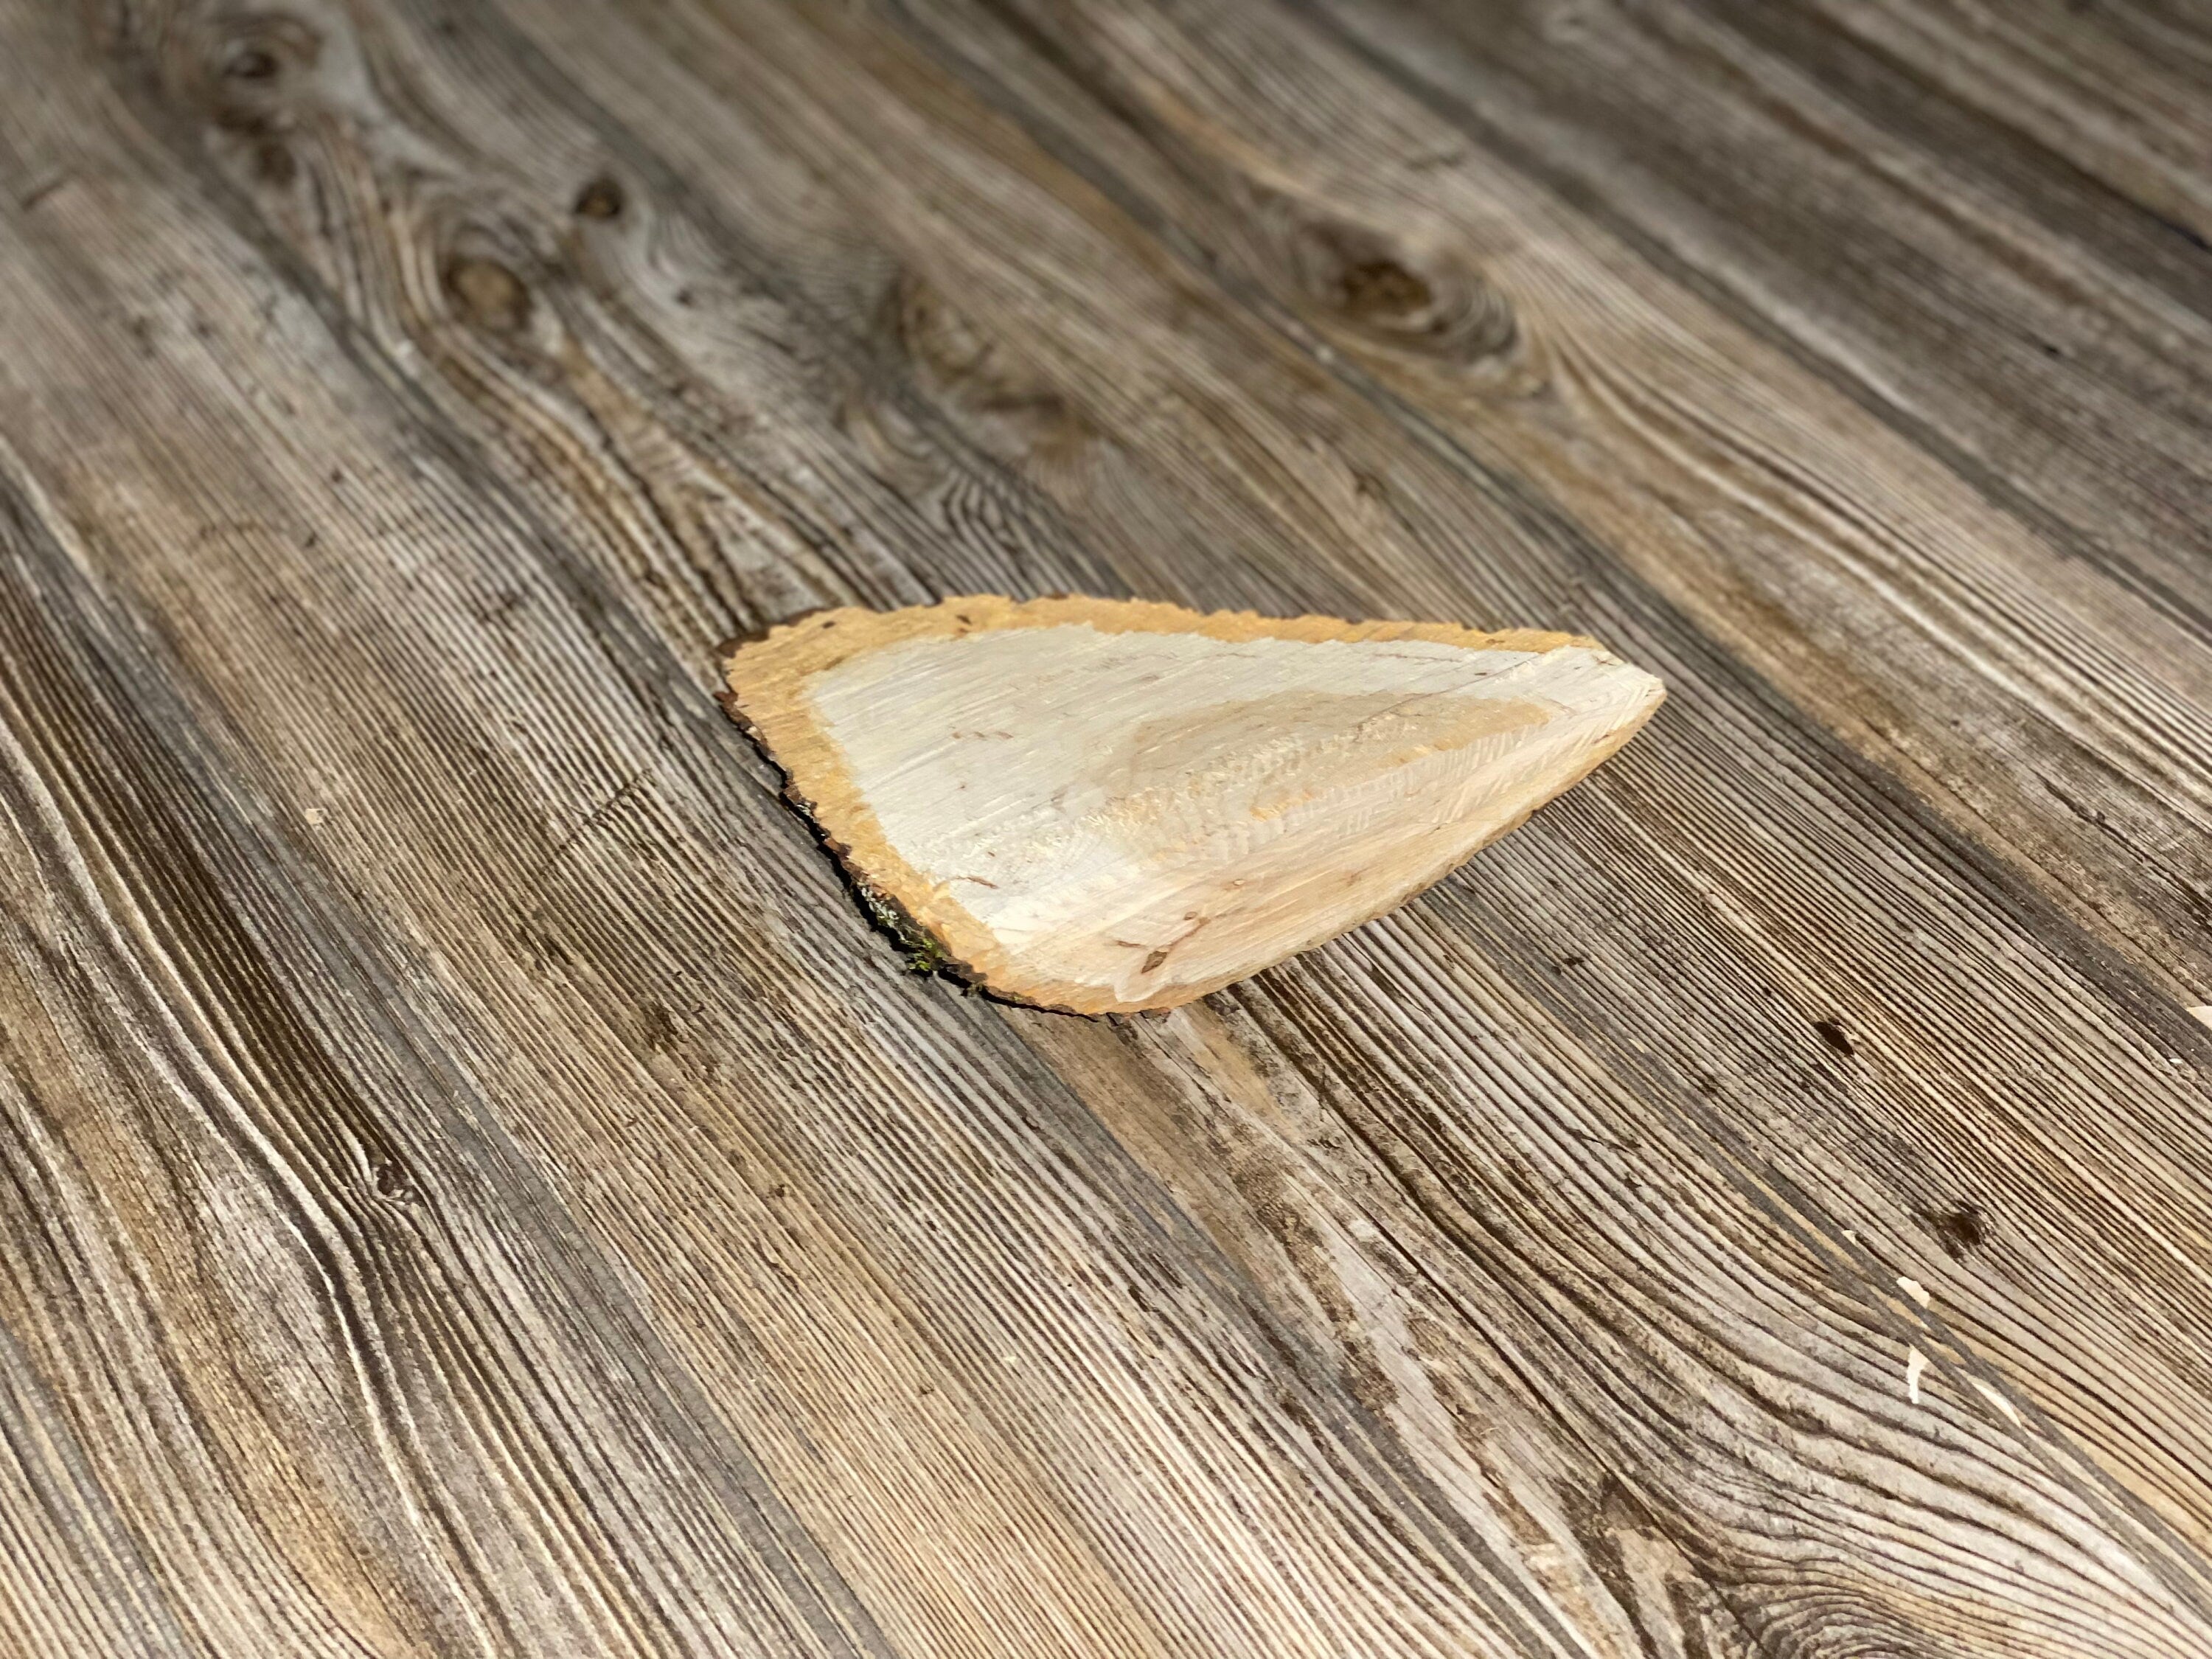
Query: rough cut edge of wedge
(768, 679)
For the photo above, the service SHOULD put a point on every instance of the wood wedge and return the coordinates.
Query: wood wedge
(1106, 806)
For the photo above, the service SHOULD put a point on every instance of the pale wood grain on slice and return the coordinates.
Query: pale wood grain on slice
(1108, 806)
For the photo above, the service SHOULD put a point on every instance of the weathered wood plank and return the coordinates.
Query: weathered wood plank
(952, 1321)
(2114, 92)
(74, 1582)
(1520, 1275)
(1961, 277)
(875, 183)
(1824, 550)
(339, 1374)
(1904, 252)
(611, 58)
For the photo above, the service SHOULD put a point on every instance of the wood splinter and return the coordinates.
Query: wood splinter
(1104, 806)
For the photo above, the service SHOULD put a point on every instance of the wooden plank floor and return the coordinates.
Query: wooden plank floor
(471, 1183)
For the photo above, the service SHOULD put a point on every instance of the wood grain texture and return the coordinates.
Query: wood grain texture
(472, 1182)
(1970, 291)
(1117, 806)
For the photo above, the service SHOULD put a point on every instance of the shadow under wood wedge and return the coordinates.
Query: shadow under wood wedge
(1106, 806)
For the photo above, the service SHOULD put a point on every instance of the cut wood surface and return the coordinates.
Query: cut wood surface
(1108, 806)
(471, 1180)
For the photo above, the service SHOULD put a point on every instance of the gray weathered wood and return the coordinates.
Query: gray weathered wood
(474, 1184)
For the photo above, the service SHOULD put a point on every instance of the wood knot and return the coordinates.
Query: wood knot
(1437, 308)
(264, 49)
(250, 63)
(1959, 1228)
(484, 294)
(602, 198)
(959, 359)
(1380, 288)
(250, 74)
(390, 1179)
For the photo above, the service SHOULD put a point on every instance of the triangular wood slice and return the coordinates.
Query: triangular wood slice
(1103, 806)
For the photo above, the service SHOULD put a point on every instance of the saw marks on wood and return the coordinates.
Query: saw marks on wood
(473, 1182)
(1107, 807)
